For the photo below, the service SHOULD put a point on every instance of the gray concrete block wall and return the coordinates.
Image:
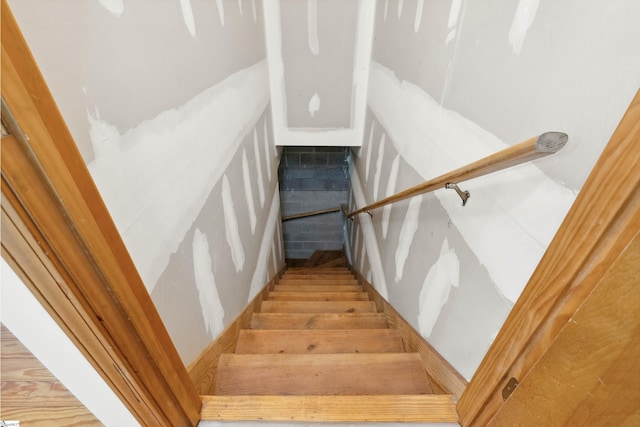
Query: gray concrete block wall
(313, 178)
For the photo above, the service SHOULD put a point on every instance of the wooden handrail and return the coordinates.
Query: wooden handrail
(531, 149)
(313, 213)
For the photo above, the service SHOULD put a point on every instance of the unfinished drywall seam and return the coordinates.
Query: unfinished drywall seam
(240, 8)
(258, 163)
(248, 192)
(156, 173)
(522, 20)
(312, 27)
(378, 174)
(314, 104)
(255, 13)
(273, 42)
(369, 151)
(418, 19)
(267, 149)
(442, 276)
(220, 6)
(400, 4)
(115, 7)
(257, 281)
(509, 228)
(187, 16)
(210, 304)
(454, 15)
(25, 317)
(391, 188)
(231, 226)
(372, 250)
(407, 233)
(361, 65)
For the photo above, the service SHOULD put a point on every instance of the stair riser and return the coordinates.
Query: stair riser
(318, 288)
(318, 307)
(318, 321)
(318, 296)
(323, 375)
(319, 341)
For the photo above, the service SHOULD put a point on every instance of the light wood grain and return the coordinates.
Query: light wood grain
(325, 270)
(50, 417)
(531, 149)
(318, 307)
(318, 296)
(424, 408)
(319, 341)
(326, 374)
(593, 367)
(318, 321)
(444, 377)
(32, 394)
(599, 225)
(312, 282)
(54, 198)
(317, 288)
(317, 276)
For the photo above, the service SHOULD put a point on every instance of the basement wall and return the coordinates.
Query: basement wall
(454, 81)
(169, 105)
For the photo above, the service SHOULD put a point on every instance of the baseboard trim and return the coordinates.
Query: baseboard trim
(203, 368)
(445, 379)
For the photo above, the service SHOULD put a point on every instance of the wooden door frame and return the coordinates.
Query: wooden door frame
(599, 226)
(58, 236)
(60, 239)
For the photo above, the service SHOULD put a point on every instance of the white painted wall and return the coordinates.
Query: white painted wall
(453, 81)
(169, 104)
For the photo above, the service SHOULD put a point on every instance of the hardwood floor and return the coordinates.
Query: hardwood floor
(31, 394)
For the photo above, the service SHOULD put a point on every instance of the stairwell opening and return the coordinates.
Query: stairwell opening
(312, 179)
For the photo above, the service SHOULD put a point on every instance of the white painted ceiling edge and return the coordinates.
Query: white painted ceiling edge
(341, 137)
(23, 315)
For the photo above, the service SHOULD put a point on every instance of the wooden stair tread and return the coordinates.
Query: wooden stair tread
(302, 277)
(425, 408)
(318, 288)
(309, 282)
(326, 374)
(319, 341)
(308, 270)
(318, 307)
(318, 321)
(318, 296)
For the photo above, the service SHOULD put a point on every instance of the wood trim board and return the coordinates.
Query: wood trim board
(599, 225)
(203, 368)
(58, 236)
(445, 379)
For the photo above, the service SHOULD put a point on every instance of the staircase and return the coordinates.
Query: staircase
(316, 347)
(318, 333)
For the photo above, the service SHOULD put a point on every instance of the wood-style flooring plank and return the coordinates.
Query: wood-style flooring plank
(64, 416)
